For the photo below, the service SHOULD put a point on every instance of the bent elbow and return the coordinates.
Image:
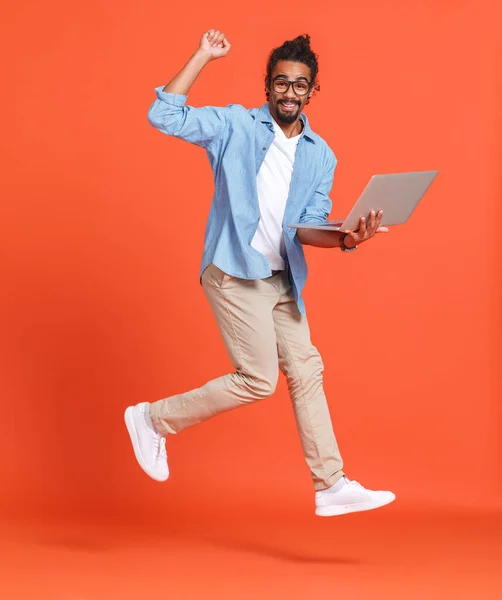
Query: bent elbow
(168, 119)
(156, 118)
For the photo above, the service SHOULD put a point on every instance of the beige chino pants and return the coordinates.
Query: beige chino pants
(263, 332)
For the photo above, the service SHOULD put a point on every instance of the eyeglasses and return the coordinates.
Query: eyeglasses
(300, 88)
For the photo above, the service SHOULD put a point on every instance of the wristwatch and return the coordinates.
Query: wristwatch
(343, 247)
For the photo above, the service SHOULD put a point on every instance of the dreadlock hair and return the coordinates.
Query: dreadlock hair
(297, 50)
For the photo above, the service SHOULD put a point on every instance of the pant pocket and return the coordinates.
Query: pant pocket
(216, 275)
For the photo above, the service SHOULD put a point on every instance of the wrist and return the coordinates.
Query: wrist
(347, 241)
(202, 56)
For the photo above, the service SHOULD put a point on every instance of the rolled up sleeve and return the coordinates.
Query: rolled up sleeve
(170, 115)
(319, 206)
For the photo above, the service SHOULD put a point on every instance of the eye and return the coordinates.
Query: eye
(301, 87)
(281, 84)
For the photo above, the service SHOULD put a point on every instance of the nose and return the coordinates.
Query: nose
(290, 93)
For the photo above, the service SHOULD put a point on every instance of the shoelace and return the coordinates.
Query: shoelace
(350, 482)
(160, 448)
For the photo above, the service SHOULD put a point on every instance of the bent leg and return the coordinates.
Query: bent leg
(243, 311)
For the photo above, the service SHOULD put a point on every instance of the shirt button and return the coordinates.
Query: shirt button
(264, 148)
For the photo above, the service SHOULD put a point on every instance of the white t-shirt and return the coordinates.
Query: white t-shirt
(273, 181)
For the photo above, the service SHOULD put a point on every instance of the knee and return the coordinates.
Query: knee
(312, 366)
(306, 371)
(260, 387)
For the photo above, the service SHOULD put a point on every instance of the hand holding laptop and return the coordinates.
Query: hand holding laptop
(366, 230)
(395, 194)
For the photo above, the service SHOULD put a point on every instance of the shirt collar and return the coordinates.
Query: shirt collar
(265, 117)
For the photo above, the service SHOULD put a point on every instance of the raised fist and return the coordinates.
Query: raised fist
(214, 43)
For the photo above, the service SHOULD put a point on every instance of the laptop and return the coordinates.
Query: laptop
(397, 194)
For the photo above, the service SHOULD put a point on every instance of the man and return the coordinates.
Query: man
(270, 169)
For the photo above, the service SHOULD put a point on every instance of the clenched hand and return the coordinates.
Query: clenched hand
(215, 44)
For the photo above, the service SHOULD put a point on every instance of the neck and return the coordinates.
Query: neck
(291, 129)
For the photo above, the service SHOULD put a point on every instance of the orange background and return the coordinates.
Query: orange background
(101, 305)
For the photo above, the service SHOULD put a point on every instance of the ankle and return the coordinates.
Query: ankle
(148, 419)
(337, 486)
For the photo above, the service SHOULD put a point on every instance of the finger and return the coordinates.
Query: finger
(379, 218)
(372, 222)
(226, 43)
(219, 40)
(382, 230)
(362, 227)
(209, 34)
(214, 41)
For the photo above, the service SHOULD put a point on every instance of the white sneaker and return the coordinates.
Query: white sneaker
(351, 497)
(149, 446)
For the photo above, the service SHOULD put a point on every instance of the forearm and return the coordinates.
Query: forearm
(320, 238)
(183, 81)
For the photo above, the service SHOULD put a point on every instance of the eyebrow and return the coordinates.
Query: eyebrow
(285, 76)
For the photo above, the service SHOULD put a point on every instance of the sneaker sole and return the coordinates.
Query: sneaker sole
(131, 428)
(345, 509)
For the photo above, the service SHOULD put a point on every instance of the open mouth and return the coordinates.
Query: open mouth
(288, 106)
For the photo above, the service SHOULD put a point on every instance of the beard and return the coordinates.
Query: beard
(287, 117)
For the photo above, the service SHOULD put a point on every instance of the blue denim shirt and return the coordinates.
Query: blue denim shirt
(236, 140)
